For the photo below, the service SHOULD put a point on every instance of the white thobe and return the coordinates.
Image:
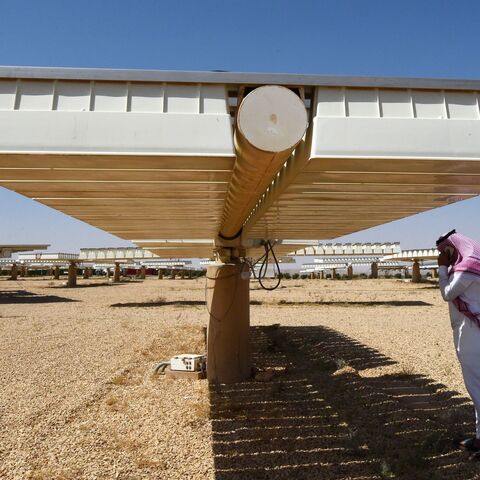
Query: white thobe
(466, 335)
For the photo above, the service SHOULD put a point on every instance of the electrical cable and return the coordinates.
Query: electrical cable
(262, 272)
(161, 367)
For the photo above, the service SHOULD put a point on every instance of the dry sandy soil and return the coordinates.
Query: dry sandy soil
(358, 380)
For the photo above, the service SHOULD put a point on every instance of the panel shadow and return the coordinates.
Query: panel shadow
(24, 296)
(316, 417)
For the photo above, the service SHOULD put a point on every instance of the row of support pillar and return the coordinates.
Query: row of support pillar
(321, 273)
(416, 274)
(22, 271)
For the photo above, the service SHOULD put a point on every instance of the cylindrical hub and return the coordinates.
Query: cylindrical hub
(228, 344)
(271, 121)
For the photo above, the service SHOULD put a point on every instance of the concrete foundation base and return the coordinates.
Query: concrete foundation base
(188, 375)
(228, 342)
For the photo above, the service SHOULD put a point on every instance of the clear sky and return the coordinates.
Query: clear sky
(420, 38)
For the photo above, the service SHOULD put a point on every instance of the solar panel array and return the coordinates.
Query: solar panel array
(151, 159)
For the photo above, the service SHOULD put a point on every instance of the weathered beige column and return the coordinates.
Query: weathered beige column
(50, 272)
(160, 274)
(374, 271)
(434, 273)
(72, 275)
(22, 271)
(172, 274)
(56, 273)
(14, 272)
(350, 272)
(322, 275)
(334, 274)
(416, 276)
(85, 273)
(116, 273)
(142, 272)
(228, 344)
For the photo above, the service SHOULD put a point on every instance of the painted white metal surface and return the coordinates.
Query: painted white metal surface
(411, 255)
(114, 118)
(310, 268)
(383, 123)
(117, 253)
(379, 249)
(47, 256)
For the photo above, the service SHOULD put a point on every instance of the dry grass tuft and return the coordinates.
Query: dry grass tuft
(116, 404)
(146, 462)
(50, 473)
(126, 378)
(201, 410)
(406, 370)
(180, 340)
(126, 443)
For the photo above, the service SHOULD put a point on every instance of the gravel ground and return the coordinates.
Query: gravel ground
(358, 380)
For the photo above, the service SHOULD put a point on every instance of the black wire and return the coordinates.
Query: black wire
(262, 272)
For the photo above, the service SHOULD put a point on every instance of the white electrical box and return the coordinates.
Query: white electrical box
(188, 362)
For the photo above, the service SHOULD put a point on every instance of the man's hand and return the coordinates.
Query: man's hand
(443, 259)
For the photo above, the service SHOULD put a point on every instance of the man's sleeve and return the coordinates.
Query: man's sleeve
(452, 289)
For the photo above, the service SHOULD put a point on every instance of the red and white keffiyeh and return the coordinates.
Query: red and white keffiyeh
(466, 259)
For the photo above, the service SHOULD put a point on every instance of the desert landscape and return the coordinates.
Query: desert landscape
(353, 380)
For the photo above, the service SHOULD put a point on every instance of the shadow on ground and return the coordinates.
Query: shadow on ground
(388, 303)
(84, 285)
(321, 419)
(24, 296)
(159, 303)
(164, 303)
